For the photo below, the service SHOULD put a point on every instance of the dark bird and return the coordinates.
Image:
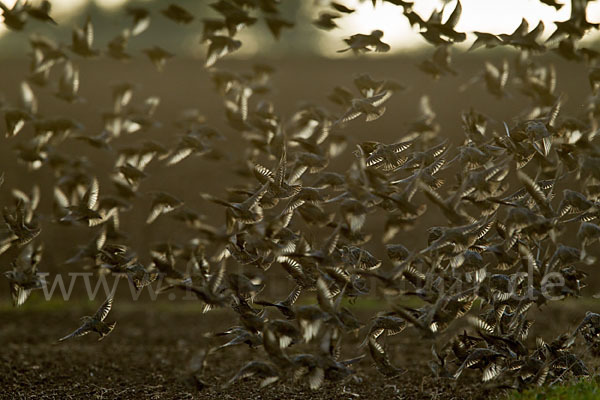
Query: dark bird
(485, 39)
(117, 47)
(276, 24)
(141, 19)
(177, 14)
(439, 64)
(285, 306)
(371, 107)
(439, 33)
(552, 3)
(86, 209)
(246, 212)
(525, 39)
(577, 24)
(41, 12)
(326, 21)
(21, 231)
(162, 203)
(82, 40)
(341, 8)
(139, 276)
(495, 79)
(364, 43)
(219, 47)
(24, 276)
(95, 323)
(382, 362)
(15, 17)
(158, 56)
(68, 85)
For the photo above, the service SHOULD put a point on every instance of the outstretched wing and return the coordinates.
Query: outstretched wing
(454, 17)
(19, 294)
(82, 330)
(215, 280)
(104, 309)
(88, 31)
(91, 196)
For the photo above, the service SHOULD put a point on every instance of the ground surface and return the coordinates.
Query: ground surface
(149, 353)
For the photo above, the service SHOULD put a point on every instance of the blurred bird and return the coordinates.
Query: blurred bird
(24, 276)
(141, 19)
(158, 56)
(439, 64)
(117, 47)
(41, 12)
(276, 24)
(485, 39)
(86, 209)
(162, 203)
(364, 43)
(83, 40)
(219, 47)
(341, 8)
(15, 17)
(177, 14)
(68, 85)
(372, 107)
(326, 21)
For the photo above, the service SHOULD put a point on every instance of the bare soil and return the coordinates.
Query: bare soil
(148, 356)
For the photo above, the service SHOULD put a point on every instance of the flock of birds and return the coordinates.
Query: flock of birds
(494, 254)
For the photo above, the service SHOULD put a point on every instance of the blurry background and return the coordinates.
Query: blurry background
(491, 16)
(307, 68)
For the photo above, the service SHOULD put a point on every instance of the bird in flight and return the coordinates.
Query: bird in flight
(95, 323)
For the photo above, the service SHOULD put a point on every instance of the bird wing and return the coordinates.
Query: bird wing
(91, 196)
(82, 330)
(455, 16)
(104, 309)
(89, 32)
(380, 98)
(19, 294)
(217, 278)
(281, 168)
(536, 193)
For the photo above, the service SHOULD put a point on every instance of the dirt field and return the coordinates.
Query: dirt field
(149, 355)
